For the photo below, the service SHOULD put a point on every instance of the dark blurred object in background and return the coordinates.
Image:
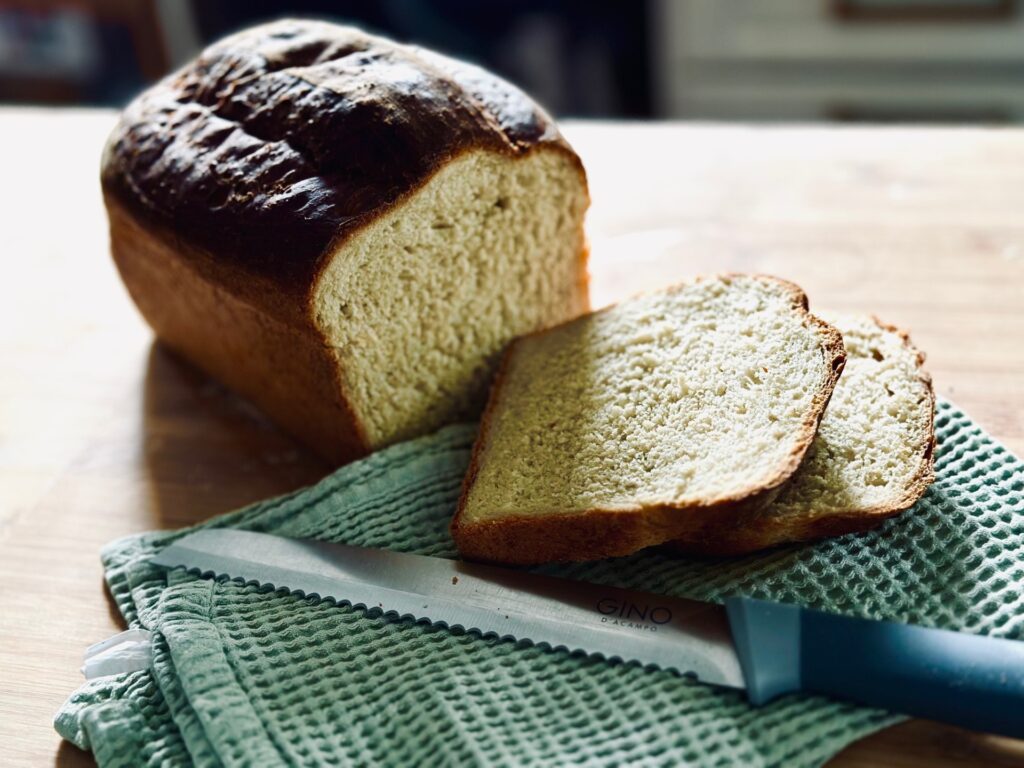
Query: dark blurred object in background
(576, 57)
(80, 51)
(953, 61)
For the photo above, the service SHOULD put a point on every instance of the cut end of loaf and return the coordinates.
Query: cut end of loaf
(654, 417)
(418, 307)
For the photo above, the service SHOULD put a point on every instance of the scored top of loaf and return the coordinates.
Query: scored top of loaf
(279, 141)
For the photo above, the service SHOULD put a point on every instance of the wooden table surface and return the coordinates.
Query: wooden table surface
(104, 434)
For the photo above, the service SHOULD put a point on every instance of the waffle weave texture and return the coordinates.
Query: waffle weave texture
(246, 676)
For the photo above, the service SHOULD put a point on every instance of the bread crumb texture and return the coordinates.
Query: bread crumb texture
(872, 449)
(419, 306)
(683, 398)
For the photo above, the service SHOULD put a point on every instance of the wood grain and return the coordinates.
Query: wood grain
(103, 434)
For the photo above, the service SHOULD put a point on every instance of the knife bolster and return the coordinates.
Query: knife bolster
(767, 639)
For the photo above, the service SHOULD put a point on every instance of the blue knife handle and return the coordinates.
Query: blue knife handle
(962, 679)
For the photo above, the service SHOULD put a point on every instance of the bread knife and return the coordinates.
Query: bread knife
(768, 649)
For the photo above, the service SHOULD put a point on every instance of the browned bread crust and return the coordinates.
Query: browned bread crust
(755, 530)
(231, 182)
(283, 368)
(599, 533)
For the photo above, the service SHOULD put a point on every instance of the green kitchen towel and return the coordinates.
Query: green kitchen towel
(246, 676)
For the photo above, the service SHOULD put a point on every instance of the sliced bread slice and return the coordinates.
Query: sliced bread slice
(872, 458)
(647, 421)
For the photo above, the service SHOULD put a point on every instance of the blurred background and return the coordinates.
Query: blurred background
(950, 61)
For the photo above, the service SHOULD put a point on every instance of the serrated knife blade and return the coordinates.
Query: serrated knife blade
(768, 648)
(687, 636)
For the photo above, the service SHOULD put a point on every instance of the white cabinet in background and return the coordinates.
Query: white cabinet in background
(874, 60)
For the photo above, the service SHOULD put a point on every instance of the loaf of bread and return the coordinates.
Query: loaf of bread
(345, 230)
(871, 459)
(663, 416)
